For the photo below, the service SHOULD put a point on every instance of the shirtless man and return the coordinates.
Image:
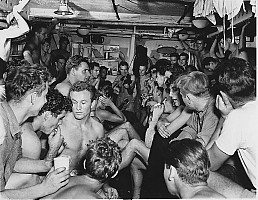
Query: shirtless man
(96, 169)
(236, 50)
(32, 48)
(77, 69)
(78, 127)
(47, 121)
(186, 170)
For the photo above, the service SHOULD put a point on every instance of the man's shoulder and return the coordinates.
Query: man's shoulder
(77, 192)
(63, 88)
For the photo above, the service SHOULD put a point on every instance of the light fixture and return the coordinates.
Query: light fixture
(200, 22)
(63, 8)
(83, 30)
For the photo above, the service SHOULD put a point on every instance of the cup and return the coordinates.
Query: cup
(62, 161)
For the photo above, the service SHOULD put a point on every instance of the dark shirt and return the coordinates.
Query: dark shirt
(10, 143)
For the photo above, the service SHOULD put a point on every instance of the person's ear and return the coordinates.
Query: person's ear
(172, 173)
(33, 97)
(47, 115)
(73, 71)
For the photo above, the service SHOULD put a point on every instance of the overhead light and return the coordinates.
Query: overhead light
(200, 22)
(63, 8)
(83, 30)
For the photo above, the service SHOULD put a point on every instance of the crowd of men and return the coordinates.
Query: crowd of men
(192, 129)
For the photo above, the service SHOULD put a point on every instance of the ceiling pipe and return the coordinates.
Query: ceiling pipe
(118, 23)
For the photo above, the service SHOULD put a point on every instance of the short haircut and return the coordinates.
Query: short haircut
(81, 86)
(162, 64)
(74, 62)
(236, 78)
(123, 63)
(184, 54)
(195, 83)
(102, 159)
(107, 90)
(59, 56)
(103, 68)
(47, 40)
(38, 26)
(174, 55)
(56, 103)
(190, 159)
(25, 78)
(93, 64)
(63, 39)
(207, 60)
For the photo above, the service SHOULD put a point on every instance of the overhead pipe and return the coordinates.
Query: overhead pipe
(118, 23)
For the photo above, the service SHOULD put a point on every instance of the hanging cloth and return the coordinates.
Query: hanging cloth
(254, 7)
(232, 7)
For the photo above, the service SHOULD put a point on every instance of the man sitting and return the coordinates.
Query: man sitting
(186, 170)
(47, 121)
(239, 113)
(77, 69)
(99, 164)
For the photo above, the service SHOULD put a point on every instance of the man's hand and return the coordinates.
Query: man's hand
(223, 104)
(157, 111)
(163, 131)
(55, 179)
(55, 141)
(105, 101)
(110, 193)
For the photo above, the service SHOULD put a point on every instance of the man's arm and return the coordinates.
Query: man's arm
(27, 53)
(28, 165)
(51, 183)
(21, 27)
(186, 46)
(217, 157)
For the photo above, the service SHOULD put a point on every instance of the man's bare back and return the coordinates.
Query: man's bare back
(64, 87)
(77, 135)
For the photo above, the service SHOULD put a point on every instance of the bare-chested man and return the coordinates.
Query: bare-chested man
(77, 69)
(32, 49)
(47, 121)
(78, 127)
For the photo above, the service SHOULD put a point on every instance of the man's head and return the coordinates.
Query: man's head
(183, 59)
(142, 70)
(236, 78)
(78, 67)
(174, 57)
(193, 87)
(209, 64)
(60, 62)
(102, 159)
(103, 72)
(46, 45)
(94, 68)
(82, 94)
(63, 42)
(186, 161)
(123, 68)
(54, 110)
(200, 45)
(40, 31)
(28, 83)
